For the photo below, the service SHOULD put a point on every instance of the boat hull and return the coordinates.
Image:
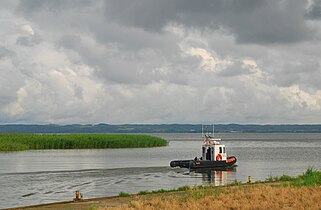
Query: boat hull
(197, 164)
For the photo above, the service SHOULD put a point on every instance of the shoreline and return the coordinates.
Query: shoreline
(178, 199)
(118, 200)
(62, 203)
(299, 192)
(273, 193)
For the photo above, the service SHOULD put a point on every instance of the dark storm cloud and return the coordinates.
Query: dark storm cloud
(273, 22)
(314, 11)
(132, 39)
(31, 6)
(249, 21)
(154, 15)
(150, 15)
(305, 73)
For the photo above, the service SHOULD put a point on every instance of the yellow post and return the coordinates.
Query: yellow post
(77, 196)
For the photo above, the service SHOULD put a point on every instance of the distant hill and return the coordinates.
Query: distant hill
(157, 128)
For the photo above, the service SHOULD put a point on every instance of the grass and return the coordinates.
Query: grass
(123, 194)
(235, 183)
(18, 142)
(145, 192)
(237, 198)
(311, 177)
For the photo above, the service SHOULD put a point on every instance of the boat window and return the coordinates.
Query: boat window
(220, 150)
(224, 151)
(208, 154)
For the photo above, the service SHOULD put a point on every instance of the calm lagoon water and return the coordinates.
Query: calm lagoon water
(34, 177)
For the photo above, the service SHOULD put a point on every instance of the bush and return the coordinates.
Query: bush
(144, 192)
(123, 194)
(183, 188)
(285, 178)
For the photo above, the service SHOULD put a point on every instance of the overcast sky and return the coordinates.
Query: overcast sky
(164, 61)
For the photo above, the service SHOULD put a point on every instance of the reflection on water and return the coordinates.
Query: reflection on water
(217, 177)
(34, 177)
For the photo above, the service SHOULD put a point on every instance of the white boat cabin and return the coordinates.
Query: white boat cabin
(212, 149)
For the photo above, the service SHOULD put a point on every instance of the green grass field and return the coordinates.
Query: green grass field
(18, 142)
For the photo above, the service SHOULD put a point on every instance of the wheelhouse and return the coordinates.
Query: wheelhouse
(213, 150)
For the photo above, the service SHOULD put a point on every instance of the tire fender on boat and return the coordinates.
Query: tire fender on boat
(218, 157)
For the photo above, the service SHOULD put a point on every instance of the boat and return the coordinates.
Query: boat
(214, 155)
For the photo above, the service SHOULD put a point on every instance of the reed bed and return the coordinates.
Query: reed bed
(18, 142)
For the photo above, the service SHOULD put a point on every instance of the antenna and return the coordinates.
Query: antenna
(213, 130)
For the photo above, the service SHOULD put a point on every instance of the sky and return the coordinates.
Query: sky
(160, 61)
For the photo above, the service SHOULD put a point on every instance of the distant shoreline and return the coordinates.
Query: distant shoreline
(159, 128)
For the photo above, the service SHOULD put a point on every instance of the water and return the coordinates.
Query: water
(34, 177)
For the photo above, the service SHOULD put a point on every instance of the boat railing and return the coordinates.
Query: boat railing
(210, 140)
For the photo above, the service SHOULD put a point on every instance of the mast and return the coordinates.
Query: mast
(213, 130)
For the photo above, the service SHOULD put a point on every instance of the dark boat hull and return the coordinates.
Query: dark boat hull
(197, 164)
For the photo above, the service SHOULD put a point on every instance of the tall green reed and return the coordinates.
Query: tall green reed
(16, 142)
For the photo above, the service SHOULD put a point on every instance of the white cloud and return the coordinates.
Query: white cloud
(28, 29)
(14, 108)
(254, 68)
(209, 62)
(302, 99)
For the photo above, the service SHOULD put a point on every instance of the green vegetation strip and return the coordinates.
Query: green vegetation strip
(311, 177)
(18, 142)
